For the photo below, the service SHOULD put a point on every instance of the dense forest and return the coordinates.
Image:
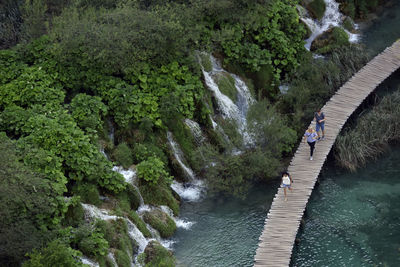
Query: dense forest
(74, 71)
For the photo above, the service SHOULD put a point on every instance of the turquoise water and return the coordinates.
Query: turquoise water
(353, 219)
(384, 31)
(225, 231)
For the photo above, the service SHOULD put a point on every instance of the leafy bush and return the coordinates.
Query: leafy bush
(90, 240)
(55, 254)
(142, 151)
(29, 208)
(123, 155)
(75, 213)
(87, 192)
(153, 171)
(88, 112)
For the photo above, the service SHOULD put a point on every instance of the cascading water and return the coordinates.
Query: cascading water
(89, 262)
(130, 177)
(192, 190)
(230, 110)
(332, 18)
(196, 131)
(178, 221)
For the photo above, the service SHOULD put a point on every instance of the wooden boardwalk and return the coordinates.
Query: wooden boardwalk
(283, 219)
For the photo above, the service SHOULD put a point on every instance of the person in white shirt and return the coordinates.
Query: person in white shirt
(286, 183)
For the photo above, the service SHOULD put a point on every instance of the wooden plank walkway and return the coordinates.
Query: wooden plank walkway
(283, 219)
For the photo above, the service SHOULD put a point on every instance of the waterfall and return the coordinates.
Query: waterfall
(196, 131)
(331, 18)
(136, 235)
(230, 110)
(112, 259)
(179, 157)
(189, 191)
(179, 222)
(89, 262)
(130, 177)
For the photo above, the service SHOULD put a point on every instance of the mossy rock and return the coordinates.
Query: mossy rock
(140, 224)
(156, 255)
(205, 61)
(348, 24)
(226, 84)
(160, 221)
(316, 8)
(129, 199)
(159, 195)
(333, 38)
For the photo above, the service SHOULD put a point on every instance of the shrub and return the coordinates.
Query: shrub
(142, 151)
(123, 155)
(74, 215)
(90, 240)
(122, 258)
(153, 172)
(55, 254)
(87, 192)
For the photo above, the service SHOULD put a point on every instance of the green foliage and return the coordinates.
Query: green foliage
(226, 85)
(273, 36)
(160, 194)
(153, 171)
(337, 38)
(122, 258)
(11, 66)
(371, 135)
(29, 208)
(87, 192)
(33, 14)
(55, 254)
(129, 198)
(312, 84)
(90, 240)
(88, 112)
(10, 24)
(142, 151)
(160, 221)
(33, 86)
(123, 155)
(269, 129)
(156, 255)
(57, 133)
(75, 213)
(134, 217)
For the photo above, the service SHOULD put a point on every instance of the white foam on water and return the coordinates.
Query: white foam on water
(89, 262)
(190, 192)
(129, 174)
(93, 212)
(332, 18)
(181, 223)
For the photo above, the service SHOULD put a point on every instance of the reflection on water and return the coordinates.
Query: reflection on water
(353, 219)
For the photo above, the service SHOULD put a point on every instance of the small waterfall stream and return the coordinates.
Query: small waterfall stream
(331, 18)
(230, 110)
(192, 190)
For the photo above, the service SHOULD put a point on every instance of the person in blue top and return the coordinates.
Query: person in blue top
(320, 123)
(311, 138)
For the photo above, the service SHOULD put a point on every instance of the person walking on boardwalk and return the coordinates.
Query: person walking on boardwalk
(286, 182)
(311, 138)
(320, 123)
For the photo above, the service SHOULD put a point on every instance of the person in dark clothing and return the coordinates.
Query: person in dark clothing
(319, 117)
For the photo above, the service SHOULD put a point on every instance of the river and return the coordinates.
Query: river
(352, 218)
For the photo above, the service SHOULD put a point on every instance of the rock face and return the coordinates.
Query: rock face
(332, 38)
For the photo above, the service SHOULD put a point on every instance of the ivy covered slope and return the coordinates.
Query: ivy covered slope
(79, 77)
